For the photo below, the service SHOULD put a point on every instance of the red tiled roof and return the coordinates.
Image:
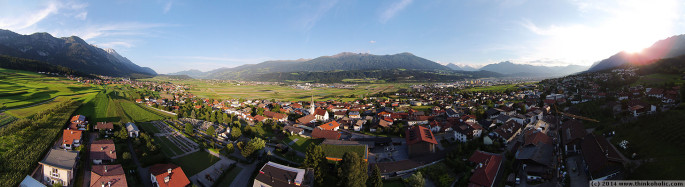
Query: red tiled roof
(536, 137)
(105, 125)
(330, 125)
(177, 178)
(320, 112)
(69, 136)
(103, 150)
(306, 119)
(115, 175)
(484, 175)
(418, 134)
(327, 134)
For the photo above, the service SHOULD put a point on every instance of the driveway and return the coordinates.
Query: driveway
(243, 178)
(86, 169)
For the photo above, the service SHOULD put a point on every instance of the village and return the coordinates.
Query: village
(530, 135)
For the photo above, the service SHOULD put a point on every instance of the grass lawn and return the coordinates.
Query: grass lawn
(149, 128)
(196, 162)
(302, 143)
(293, 157)
(137, 113)
(228, 178)
(168, 148)
(425, 108)
(337, 151)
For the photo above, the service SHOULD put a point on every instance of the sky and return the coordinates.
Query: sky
(175, 35)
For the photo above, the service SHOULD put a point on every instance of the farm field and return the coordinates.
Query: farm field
(30, 111)
(196, 162)
(109, 105)
(21, 88)
(224, 90)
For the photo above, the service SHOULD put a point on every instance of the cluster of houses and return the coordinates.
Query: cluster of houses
(60, 164)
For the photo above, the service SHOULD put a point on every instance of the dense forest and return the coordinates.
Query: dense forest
(36, 66)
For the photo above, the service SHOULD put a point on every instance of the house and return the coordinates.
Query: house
(537, 158)
(132, 129)
(58, 167)
(71, 139)
(339, 114)
(108, 175)
(509, 130)
(321, 114)
(572, 134)
(354, 115)
(487, 167)
(78, 122)
(292, 130)
(273, 174)
(171, 175)
(602, 159)
(463, 133)
(103, 151)
(327, 134)
(420, 141)
(107, 127)
(358, 125)
(280, 117)
(331, 126)
(307, 119)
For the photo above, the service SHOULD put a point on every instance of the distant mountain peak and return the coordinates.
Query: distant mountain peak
(71, 52)
(670, 47)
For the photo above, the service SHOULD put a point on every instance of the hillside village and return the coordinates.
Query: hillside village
(533, 134)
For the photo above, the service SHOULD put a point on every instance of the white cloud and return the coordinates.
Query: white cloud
(114, 45)
(81, 16)
(625, 25)
(310, 19)
(25, 19)
(167, 7)
(390, 12)
(372, 41)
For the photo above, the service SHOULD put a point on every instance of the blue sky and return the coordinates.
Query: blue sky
(171, 35)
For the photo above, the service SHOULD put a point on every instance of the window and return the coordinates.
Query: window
(55, 172)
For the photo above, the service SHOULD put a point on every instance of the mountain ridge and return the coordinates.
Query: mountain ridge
(71, 52)
(667, 48)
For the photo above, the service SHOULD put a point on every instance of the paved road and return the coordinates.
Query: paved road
(578, 177)
(142, 172)
(243, 178)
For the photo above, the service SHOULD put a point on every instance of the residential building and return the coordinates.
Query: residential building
(132, 129)
(168, 175)
(59, 166)
(103, 151)
(108, 176)
(420, 141)
(487, 167)
(71, 139)
(273, 174)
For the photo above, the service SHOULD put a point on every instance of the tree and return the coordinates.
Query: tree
(189, 128)
(416, 180)
(255, 144)
(376, 179)
(315, 158)
(235, 133)
(193, 115)
(126, 155)
(211, 131)
(260, 111)
(352, 171)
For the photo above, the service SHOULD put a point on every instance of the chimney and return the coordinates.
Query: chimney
(288, 181)
(105, 169)
(103, 184)
(109, 184)
(169, 170)
(102, 148)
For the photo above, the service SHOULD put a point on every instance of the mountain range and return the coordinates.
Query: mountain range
(525, 70)
(461, 67)
(71, 52)
(667, 48)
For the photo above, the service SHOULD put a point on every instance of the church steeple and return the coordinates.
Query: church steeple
(311, 105)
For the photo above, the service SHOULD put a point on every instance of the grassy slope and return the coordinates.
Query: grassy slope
(21, 88)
